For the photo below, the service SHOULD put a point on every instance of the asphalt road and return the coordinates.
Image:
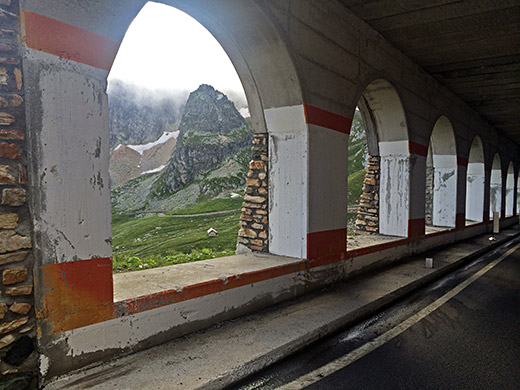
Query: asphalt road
(462, 332)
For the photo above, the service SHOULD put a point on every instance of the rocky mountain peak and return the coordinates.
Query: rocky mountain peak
(210, 111)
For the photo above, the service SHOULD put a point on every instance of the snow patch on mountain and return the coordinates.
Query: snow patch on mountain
(164, 137)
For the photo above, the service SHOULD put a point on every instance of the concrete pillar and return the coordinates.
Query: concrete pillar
(475, 189)
(394, 193)
(308, 149)
(444, 191)
(288, 173)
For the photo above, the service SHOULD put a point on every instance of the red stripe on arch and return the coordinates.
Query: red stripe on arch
(418, 149)
(462, 161)
(67, 41)
(319, 117)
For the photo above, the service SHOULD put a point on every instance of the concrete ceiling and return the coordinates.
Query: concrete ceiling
(471, 47)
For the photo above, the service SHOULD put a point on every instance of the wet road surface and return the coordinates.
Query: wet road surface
(461, 332)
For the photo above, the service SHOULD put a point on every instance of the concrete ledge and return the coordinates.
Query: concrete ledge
(221, 355)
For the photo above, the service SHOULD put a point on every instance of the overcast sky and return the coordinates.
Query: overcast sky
(166, 49)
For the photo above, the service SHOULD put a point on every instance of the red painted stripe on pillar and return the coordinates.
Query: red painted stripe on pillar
(418, 149)
(416, 228)
(77, 293)
(319, 117)
(329, 244)
(67, 41)
(462, 161)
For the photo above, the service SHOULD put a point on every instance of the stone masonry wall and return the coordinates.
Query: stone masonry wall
(367, 221)
(17, 318)
(253, 234)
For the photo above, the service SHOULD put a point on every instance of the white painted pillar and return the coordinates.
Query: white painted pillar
(394, 189)
(475, 180)
(287, 180)
(510, 195)
(444, 190)
(495, 195)
(308, 151)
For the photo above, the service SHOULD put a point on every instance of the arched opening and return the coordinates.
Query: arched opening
(180, 144)
(475, 180)
(495, 188)
(510, 190)
(441, 177)
(384, 200)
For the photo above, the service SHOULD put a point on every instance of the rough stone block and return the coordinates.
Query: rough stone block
(14, 196)
(7, 327)
(262, 235)
(254, 199)
(257, 242)
(26, 329)
(251, 205)
(20, 308)
(14, 275)
(262, 191)
(256, 165)
(14, 257)
(253, 182)
(10, 134)
(10, 241)
(3, 310)
(257, 226)
(6, 177)
(262, 176)
(8, 221)
(261, 212)
(3, 102)
(18, 77)
(247, 233)
(22, 174)
(245, 217)
(11, 151)
(9, 61)
(257, 248)
(3, 76)
(16, 101)
(19, 290)
(7, 340)
(6, 119)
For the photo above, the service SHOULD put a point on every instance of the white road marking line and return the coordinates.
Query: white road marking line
(340, 363)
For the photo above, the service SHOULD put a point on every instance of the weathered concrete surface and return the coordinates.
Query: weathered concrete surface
(219, 356)
(133, 284)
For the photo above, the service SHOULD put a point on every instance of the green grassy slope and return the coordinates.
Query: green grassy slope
(152, 241)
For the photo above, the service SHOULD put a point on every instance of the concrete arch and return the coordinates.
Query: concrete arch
(495, 187)
(387, 122)
(73, 111)
(69, 50)
(510, 190)
(443, 173)
(475, 179)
